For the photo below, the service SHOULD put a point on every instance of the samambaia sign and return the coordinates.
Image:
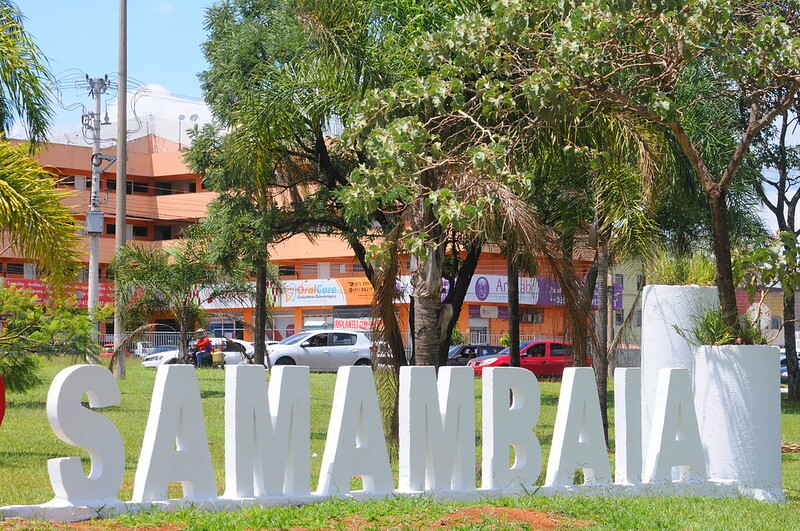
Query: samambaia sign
(267, 440)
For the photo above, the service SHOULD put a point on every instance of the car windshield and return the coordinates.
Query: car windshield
(164, 348)
(297, 338)
(452, 350)
(506, 350)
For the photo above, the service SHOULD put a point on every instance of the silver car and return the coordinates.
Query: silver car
(322, 350)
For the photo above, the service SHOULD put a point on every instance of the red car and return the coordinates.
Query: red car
(108, 350)
(542, 358)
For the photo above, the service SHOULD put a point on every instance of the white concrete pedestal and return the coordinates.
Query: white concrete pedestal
(738, 405)
(663, 309)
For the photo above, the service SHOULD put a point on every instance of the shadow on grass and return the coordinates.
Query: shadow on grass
(212, 394)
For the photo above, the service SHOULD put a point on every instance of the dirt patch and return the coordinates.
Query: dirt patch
(489, 518)
(790, 448)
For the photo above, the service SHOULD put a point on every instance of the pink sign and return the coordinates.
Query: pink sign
(81, 290)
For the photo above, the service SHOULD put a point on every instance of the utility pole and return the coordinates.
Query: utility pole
(118, 360)
(94, 218)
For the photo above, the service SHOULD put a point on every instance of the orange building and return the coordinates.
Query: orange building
(323, 285)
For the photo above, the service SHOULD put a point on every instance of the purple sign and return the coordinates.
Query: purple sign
(482, 288)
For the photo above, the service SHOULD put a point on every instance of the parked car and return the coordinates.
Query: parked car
(142, 349)
(108, 350)
(461, 354)
(236, 352)
(322, 350)
(542, 358)
(784, 369)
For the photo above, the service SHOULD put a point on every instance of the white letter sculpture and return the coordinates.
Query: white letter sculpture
(175, 445)
(437, 429)
(578, 439)
(355, 445)
(628, 425)
(675, 439)
(506, 427)
(267, 443)
(78, 426)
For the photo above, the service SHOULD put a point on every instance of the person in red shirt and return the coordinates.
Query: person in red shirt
(203, 348)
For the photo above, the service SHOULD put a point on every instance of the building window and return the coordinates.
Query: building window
(139, 231)
(776, 322)
(15, 269)
(533, 315)
(357, 268)
(83, 274)
(164, 189)
(618, 279)
(287, 271)
(163, 232)
(308, 270)
(619, 317)
(192, 188)
(640, 280)
(638, 318)
(111, 228)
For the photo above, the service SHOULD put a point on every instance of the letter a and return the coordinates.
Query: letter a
(578, 439)
(675, 437)
(175, 445)
(355, 445)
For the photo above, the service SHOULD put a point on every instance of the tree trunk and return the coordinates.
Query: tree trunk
(513, 310)
(722, 255)
(457, 294)
(426, 282)
(260, 332)
(792, 369)
(600, 358)
(2, 399)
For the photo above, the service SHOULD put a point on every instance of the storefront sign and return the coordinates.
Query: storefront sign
(267, 439)
(81, 290)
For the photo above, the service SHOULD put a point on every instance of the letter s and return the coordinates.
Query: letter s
(79, 426)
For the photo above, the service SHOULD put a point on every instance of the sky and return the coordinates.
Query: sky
(80, 37)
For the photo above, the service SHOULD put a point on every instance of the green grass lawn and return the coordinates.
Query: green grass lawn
(27, 442)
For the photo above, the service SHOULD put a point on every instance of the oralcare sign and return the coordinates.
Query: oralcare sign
(267, 440)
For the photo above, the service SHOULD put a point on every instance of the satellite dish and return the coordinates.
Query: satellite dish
(181, 117)
(194, 117)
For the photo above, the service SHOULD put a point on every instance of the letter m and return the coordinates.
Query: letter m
(267, 433)
(437, 429)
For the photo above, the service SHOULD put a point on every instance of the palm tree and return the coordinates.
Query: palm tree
(23, 77)
(36, 224)
(170, 280)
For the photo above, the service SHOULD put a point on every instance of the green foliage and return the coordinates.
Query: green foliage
(504, 340)
(24, 78)
(710, 328)
(42, 228)
(170, 280)
(664, 267)
(457, 338)
(775, 262)
(33, 330)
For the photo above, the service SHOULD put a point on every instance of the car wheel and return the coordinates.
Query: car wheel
(285, 361)
(362, 361)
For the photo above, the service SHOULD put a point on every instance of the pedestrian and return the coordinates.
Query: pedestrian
(203, 347)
